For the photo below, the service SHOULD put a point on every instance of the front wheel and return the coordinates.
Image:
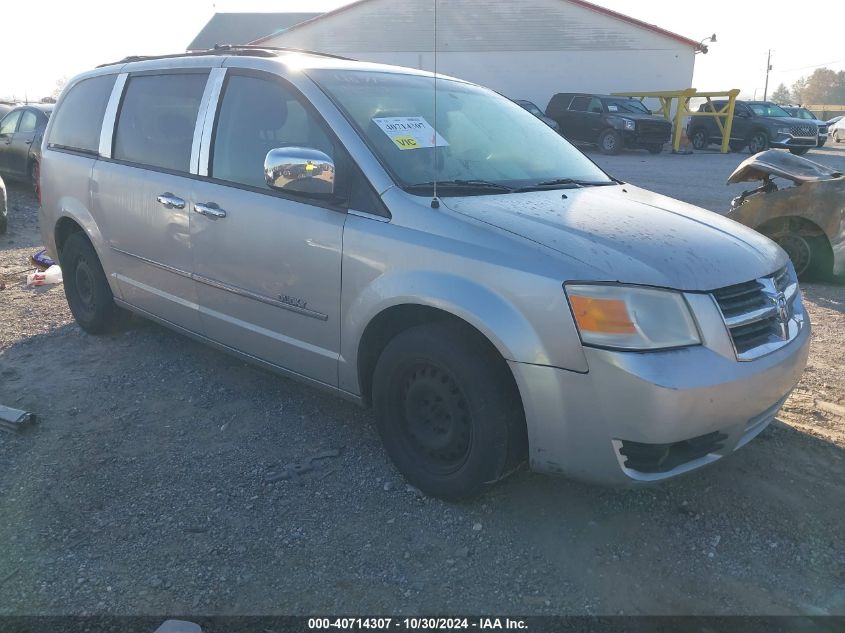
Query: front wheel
(87, 290)
(758, 142)
(700, 139)
(610, 142)
(447, 410)
(799, 151)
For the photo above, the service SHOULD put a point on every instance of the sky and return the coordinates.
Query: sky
(71, 37)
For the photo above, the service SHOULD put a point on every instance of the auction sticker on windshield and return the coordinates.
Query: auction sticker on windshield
(410, 132)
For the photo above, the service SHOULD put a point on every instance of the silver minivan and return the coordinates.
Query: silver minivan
(460, 267)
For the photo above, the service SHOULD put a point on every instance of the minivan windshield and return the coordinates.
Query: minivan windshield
(483, 144)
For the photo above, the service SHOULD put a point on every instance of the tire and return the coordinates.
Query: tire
(4, 219)
(799, 151)
(654, 149)
(447, 410)
(836, 137)
(33, 176)
(758, 142)
(700, 139)
(610, 142)
(87, 290)
(811, 256)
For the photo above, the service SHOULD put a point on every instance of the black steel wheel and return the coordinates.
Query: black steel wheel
(447, 410)
(86, 288)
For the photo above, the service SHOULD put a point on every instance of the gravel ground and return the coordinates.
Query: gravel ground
(159, 480)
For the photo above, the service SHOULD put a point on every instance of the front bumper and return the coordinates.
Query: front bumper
(785, 141)
(578, 424)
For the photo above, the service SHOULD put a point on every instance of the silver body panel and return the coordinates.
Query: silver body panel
(293, 286)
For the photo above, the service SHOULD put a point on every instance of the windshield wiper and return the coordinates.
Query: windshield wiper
(562, 183)
(462, 184)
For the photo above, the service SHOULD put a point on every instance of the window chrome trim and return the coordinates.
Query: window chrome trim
(201, 148)
(110, 116)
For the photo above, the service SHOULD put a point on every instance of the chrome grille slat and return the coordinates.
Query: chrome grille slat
(753, 312)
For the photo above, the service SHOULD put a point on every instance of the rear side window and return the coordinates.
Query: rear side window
(156, 123)
(79, 118)
(28, 121)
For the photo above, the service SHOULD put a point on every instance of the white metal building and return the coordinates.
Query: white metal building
(527, 49)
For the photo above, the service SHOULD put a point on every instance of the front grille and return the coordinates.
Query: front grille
(758, 313)
(803, 130)
(659, 131)
(661, 458)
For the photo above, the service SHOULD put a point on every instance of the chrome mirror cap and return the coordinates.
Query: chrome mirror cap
(301, 170)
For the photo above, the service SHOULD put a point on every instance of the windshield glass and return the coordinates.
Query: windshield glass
(631, 106)
(768, 109)
(481, 136)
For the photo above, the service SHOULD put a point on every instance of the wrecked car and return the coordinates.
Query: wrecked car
(807, 220)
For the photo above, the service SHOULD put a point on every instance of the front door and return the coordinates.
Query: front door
(142, 195)
(267, 264)
(8, 126)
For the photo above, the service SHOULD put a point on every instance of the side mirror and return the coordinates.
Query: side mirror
(301, 170)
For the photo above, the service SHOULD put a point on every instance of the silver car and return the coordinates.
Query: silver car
(461, 268)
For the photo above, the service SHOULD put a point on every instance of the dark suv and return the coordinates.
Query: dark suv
(757, 125)
(612, 123)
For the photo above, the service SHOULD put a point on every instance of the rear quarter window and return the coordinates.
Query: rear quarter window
(79, 117)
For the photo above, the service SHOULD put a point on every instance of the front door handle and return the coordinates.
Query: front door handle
(209, 210)
(170, 201)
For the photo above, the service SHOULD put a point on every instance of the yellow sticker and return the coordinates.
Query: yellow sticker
(405, 142)
(309, 167)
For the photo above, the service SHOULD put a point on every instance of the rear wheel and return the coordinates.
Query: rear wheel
(447, 410)
(87, 290)
(33, 176)
(700, 139)
(610, 142)
(758, 142)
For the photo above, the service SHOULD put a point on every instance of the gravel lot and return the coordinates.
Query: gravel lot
(154, 484)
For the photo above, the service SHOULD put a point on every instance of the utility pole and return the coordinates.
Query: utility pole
(768, 68)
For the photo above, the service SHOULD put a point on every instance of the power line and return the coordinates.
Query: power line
(789, 70)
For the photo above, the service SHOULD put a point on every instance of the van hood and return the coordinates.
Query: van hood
(630, 235)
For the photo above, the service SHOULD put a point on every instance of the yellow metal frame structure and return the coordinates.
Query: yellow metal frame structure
(724, 117)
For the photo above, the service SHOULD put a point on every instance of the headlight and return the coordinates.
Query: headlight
(631, 317)
(784, 130)
(629, 124)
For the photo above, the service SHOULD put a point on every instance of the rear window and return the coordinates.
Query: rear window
(156, 123)
(80, 116)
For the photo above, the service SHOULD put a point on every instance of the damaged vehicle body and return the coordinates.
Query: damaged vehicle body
(807, 220)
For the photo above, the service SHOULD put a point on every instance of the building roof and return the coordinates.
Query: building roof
(581, 3)
(243, 28)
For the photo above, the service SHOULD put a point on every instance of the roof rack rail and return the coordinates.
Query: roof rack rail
(227, 49)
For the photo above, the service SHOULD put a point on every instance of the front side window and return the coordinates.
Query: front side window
(626, 106)
(10, 122)
(28, 122)
(579, 104)
(79, 116)
(768, 109)
(256, 116)
(479, 134)
(156, 123)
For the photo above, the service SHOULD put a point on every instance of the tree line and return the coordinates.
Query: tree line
(824, 86)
